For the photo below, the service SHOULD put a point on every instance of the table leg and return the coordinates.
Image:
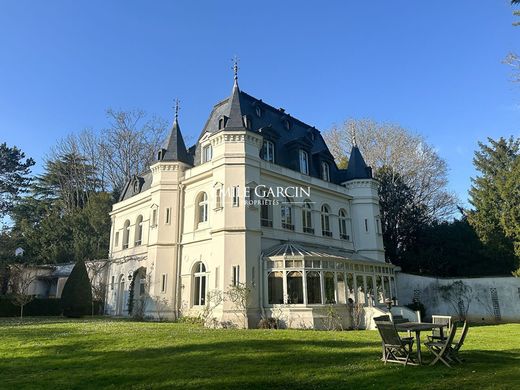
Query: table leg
(418, 341)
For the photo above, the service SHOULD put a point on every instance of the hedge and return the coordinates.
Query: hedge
(37, 307)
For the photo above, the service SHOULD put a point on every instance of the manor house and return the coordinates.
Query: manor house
(257, 204)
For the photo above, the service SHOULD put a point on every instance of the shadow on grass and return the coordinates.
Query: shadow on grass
(244, 363)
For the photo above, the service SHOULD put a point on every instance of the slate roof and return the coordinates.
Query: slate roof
(174, 148)
(288, 134)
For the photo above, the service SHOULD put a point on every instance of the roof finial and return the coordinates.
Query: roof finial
(235, 69)
(352, 132)
(177, 108)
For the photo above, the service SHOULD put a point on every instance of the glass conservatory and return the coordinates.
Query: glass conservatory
(304, 275)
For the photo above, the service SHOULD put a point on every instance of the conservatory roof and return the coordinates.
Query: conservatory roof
(300, 251)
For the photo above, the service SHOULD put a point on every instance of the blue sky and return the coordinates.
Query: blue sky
(433, 67)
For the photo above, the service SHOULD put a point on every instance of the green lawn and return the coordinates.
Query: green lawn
(94, 353)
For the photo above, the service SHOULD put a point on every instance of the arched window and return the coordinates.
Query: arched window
(325, 221)
(330, 296)
(138, 230)
(304, 162)
(268, 151)
(313, 287)
(275, 287)
(286, 214)
(294, 287)
(202, 208)
(221, 122)
(325, 171)
(199, 284)
(126, 234)
(266, 212)
(343, 233)
(307, 217)
(246, 120)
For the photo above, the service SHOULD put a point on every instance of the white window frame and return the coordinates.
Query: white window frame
(304, 162)
(164, 282)
(235, 278)
(236, 196)
(268, 154)
(325, 171)
(207, 153)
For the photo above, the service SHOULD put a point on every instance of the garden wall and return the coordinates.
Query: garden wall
(484, 300)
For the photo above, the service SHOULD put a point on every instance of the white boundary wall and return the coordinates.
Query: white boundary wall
(487, 300)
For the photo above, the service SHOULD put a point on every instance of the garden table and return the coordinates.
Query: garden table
(417, 327)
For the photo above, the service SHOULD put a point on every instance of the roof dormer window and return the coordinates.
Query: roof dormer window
(287, 124)
(221, 122)
(258, 111)
(246, 120)
(304, 162)
(325, 171)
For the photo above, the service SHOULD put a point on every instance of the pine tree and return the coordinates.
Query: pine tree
(76, 298)
(494, 162)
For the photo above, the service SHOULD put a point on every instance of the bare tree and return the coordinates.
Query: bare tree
(239, 295)
(20, 280)
(129, 144)
(387, 145)
(97, 271)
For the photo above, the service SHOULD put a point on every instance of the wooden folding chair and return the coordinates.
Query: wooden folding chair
(442, 349)
(455, 346)
(439, 334)
(395, 348)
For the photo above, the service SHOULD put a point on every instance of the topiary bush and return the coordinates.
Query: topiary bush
(76, 298)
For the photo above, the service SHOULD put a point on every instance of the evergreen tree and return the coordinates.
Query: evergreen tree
(401, 216)
(489, 198)
(76, 298)
(13, 176)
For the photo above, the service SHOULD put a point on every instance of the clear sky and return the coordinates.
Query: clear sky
(433, 67)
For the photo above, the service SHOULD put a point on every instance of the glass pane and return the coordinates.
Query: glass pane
(370, 290)
(294, 287)
(203, 291)
(316, 264)
(341, 288)
(360, 284)
(387, 287)
(196, 300)
(329, 288)
(308, 263)
(379, 291)
(313, 287)
(275, 287)
(350, 287)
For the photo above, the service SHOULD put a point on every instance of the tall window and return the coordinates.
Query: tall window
(275, 288)
(199, 285)
(304, 162)
(126, 234)
(116, 240)
(343, 233)
(313, 287)
(154, 217)
(207, 153)
(325, 171)
(235, 196)
(164, 281)
(218, 198)
(307, 218)
(329, 288)
(325, 221)
(294, 287)
(266, 212)
(268, 151)
(286, 214)
(202, 208)
(168, 215)
(236, 275)
(138, 230)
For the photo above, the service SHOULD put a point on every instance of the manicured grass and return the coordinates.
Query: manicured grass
(96, 353)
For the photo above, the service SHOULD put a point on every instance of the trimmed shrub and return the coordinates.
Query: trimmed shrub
(37, 307)
(76, 298)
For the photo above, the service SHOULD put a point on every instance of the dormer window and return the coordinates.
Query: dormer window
(258, 111)
(207, 153)
(287, 124)
(304, 162)
(247, 122)
(268, 151)
(325, 171)
(221, 122)
(136, 186)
